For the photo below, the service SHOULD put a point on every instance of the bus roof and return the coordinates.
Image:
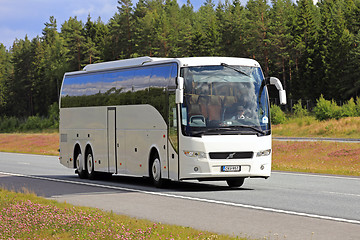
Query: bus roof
(183, 62)
(201, 61)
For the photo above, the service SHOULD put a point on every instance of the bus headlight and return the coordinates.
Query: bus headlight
(264, 153)
(195, 154)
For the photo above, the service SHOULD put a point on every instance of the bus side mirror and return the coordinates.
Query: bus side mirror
(282, 93)
(180, 82)
(282, 96)
(179, 96)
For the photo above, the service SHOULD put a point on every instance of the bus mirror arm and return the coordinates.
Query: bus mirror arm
(282, 93)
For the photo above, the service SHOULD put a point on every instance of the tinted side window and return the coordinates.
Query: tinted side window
(83, 90)
(143, 85)
(158, 89)
(160, 76)
(119, 85)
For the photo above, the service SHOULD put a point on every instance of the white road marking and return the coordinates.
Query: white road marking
(344, 194)
(24, 163)
(190, 198)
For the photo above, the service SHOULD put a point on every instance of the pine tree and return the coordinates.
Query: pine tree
(39, 84)
(337, 44)
(282, 16)
(257, 32)
(126, 27)
(5, 71)
(206, 31)
(185, 36)
(92, 41)
(72, 33)
(308, 62)
(351, 80)
(328, 37)
(175, 25)
(351, 13)
(54, 59)
(233, 22)
(20, 91)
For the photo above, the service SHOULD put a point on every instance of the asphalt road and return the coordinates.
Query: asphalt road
(286, 206)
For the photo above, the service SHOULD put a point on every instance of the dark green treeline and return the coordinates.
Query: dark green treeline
(312, 49)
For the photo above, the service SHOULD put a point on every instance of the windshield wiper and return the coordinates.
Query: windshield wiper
(228, 129)
(234, 68)
(251, 127)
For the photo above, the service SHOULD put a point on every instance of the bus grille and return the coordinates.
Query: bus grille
(231, 155)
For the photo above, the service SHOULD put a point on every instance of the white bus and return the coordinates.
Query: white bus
(202, 118)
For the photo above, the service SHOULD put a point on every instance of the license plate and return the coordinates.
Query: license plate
(230, 168)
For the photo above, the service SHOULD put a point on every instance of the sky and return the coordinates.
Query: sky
(19, 18)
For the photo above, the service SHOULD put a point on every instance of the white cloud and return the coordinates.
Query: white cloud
(8, 36)
(108, 9)
(83, 11)
(104, 9)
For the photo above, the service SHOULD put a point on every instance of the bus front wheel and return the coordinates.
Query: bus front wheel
(155, 172)
(237, 182)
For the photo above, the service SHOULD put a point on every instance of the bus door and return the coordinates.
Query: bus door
(111, 139)
(173, 157)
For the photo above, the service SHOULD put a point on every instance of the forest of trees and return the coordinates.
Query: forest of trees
(312, 49)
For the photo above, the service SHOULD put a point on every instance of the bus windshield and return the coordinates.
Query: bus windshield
(224, 99)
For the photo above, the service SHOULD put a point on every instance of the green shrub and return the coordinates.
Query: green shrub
(9, 124)
(53, 114)
(299, 111)
(13, 124)
(326, 109)
(358, 107)
(349, 109)
(277, 115)
(33, 122)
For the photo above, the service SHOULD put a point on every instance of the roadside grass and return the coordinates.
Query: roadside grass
(317, 157)
(26, 216)
(308, 126)
(33, 143)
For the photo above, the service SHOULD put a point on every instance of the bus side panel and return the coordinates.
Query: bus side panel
(66, 151)
(141, 129)
(121, 149)
(86, 127)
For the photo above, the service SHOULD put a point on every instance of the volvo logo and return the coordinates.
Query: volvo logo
(231, 156)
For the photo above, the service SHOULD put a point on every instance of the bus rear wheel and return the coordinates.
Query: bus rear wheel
(90, 164)
(155, 172)
(237, 182)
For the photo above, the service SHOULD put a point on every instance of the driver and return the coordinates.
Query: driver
(239, 113)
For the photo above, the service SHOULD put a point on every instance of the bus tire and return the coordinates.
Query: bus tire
(236, 182)
(155, 172)
(79, 169)
(90, 164)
